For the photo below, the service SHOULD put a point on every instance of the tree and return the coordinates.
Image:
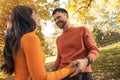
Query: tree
(79, 10)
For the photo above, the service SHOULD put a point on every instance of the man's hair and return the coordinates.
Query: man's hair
(59, 10)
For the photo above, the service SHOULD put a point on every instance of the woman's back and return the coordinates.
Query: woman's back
(23, 57)
(21, 70)
(29, 61)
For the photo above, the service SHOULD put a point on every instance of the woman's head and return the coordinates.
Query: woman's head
(22, 20)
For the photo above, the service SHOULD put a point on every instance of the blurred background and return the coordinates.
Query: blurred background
(101, 17)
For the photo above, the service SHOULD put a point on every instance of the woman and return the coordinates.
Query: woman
(22, 52)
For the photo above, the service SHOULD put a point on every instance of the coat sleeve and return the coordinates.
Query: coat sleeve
(35, 60)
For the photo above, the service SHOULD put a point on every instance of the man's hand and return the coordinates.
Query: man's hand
(80, 65)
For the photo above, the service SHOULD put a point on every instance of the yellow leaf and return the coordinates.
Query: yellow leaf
(83, 11)
(118, 18)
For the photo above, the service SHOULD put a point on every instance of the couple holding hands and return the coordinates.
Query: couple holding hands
(23, 54)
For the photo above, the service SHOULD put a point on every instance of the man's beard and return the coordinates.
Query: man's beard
(61, 24)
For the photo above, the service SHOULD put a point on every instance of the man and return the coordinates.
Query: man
(75, 45)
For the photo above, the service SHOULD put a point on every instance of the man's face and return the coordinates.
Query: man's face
(60, 19)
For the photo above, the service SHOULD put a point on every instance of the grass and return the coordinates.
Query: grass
(107, 66)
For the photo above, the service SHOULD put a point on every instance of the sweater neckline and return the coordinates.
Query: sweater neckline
(68, 29)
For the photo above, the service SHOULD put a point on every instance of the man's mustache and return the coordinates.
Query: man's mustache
(60, 22)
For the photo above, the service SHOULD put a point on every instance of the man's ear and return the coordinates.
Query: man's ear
(67, 15)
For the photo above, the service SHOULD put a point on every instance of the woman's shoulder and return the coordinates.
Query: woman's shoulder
(29, 36)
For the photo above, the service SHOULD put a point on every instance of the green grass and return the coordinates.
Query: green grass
(107, 65)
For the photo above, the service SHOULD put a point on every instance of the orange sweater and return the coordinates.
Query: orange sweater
(75, 43)
(29, 61)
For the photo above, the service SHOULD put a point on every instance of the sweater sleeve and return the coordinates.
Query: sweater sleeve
(90, 44)
(35, 60)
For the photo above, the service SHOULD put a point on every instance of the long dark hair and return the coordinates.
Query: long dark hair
(22, 22)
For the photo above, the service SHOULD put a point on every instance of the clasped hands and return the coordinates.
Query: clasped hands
(79, 65)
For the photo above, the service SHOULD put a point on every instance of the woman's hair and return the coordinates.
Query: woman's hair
(22, 22)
